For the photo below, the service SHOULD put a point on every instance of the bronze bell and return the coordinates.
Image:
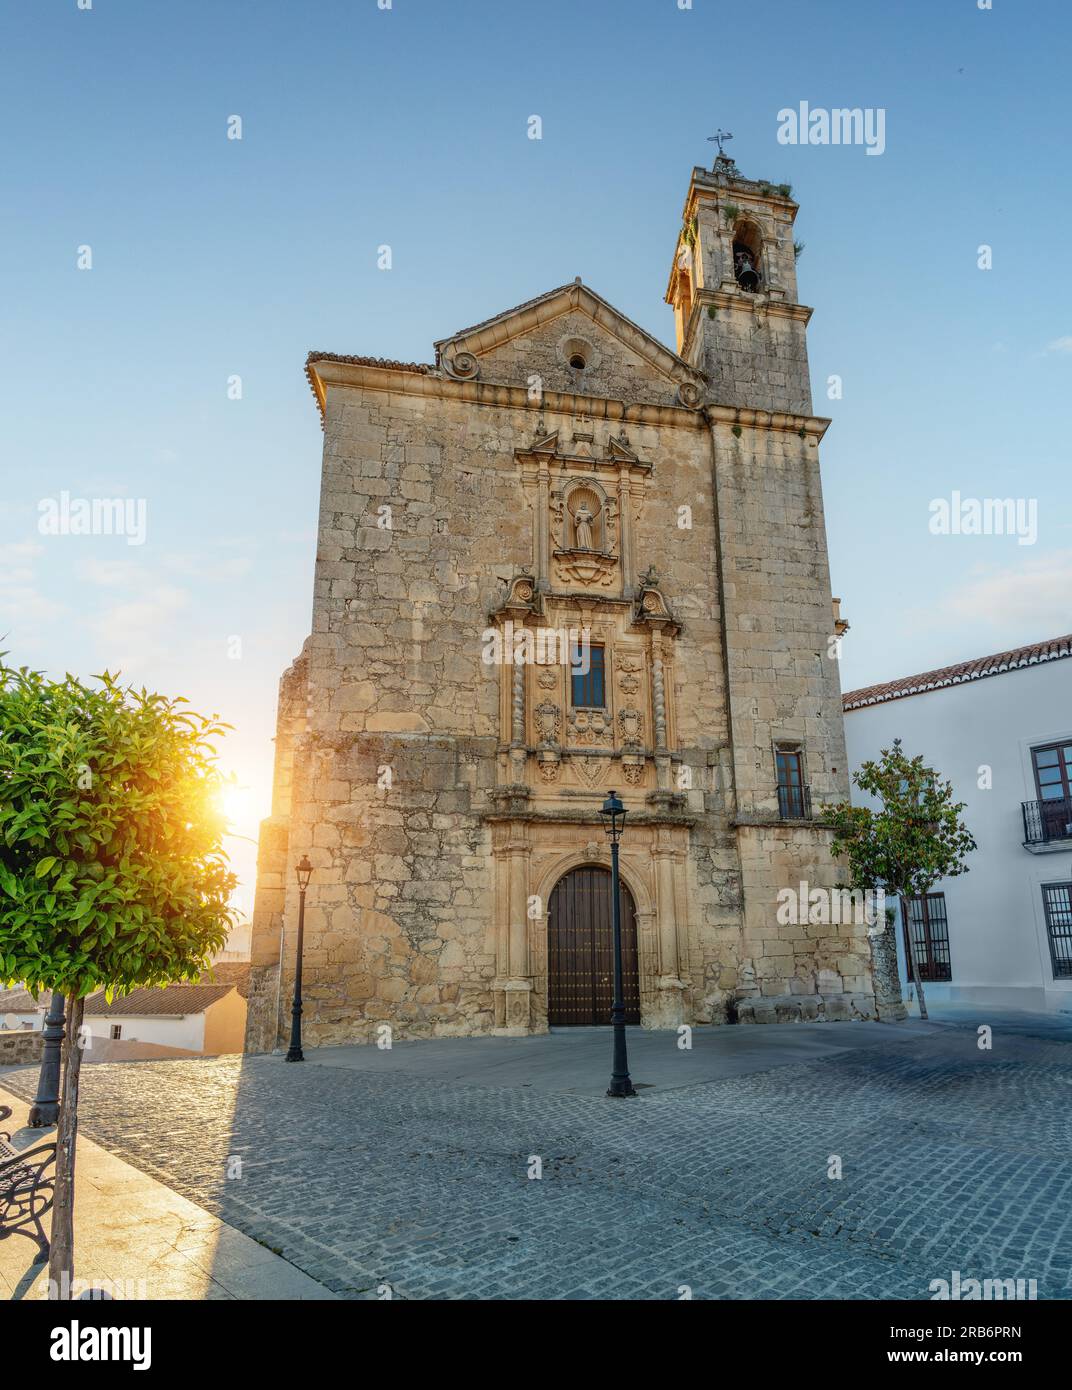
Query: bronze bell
(747, 276)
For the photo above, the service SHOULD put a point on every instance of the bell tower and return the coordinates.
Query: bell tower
(733, 289)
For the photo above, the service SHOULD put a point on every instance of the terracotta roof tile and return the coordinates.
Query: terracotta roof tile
(171, 999)
(21, 1001)
(229, 972)
(422, 368)
(1053, 650)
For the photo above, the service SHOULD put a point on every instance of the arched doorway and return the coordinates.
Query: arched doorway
(580, 950)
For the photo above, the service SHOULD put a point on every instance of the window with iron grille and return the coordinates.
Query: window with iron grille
(588, 686)
(925, 917)
(792, 794)
(117, 1031)
(1057, 902)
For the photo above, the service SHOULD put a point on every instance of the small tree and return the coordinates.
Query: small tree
(913, 839)
(112, 874)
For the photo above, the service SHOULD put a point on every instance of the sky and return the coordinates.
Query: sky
(366, 124)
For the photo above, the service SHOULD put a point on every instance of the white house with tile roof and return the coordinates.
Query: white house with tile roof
(1000, 729)
(203, 1018)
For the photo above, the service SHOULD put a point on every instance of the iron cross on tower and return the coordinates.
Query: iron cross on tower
(718, 137)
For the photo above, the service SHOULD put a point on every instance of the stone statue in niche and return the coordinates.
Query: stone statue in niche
(582, 522)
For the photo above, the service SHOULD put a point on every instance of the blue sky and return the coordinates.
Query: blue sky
(361, 126)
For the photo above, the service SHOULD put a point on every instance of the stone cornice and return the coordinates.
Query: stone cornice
(815, 425)
(325, 372)
(744, 821)
(588, 817)
(738, 301)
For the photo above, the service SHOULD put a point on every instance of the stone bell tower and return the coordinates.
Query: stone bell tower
(733, 288)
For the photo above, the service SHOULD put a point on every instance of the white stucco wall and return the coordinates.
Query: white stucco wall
(997, 928)
(23, 1019)
(187, 1031)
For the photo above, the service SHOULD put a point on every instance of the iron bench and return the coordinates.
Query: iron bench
(26, 1190)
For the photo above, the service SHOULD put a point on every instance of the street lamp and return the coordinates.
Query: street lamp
(304, 870)
(46, 1106)
(613, 818)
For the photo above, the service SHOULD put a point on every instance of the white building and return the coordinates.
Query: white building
(176, 1020)
(999, 729)
(19, 1010)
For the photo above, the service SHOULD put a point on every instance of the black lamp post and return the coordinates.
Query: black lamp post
(613, 818)
(304, 871)
(46, 1106)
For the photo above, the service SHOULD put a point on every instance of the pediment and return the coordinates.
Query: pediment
(548, 336)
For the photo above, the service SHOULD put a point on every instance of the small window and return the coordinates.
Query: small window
(792, 793)
(116, 1031)
(1053, 771)
(587, 678)
(1057, 901)
(577, 362)
(926, 920)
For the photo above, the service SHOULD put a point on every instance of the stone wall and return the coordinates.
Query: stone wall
(441, 797)
(20, 1047)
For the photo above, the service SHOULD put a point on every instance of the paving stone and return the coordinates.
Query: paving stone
(951, 1159)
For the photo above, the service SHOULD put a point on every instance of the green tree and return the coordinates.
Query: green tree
(911, 840)
(112, 874)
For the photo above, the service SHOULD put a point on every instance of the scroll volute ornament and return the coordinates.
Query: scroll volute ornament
(463, 366)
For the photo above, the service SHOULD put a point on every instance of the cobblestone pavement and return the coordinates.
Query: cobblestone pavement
(952, 1158)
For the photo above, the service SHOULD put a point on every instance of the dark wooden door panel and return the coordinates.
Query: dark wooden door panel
(580, 950)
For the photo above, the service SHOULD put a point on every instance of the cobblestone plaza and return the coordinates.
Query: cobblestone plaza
(376, 1178)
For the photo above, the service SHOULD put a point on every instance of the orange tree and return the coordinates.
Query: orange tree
(112, 874)
(909, 839)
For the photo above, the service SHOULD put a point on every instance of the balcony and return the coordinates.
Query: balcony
(1047, 824)
(794, 802)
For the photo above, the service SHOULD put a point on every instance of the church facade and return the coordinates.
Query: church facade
(564, 559)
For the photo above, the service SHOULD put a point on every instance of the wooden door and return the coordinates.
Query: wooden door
(580, 950)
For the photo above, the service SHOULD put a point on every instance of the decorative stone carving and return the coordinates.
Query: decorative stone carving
(689, 394)
(589, 726)
(633, 770)
(548, 718)
(546, 679)
(591, 770)
(549, 766)
(627, 666)
(630, 725)
(586, 568)
(521, 599)
(463, 366)
(651, 605)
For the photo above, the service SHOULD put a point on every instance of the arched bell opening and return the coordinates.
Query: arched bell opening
(748, 256)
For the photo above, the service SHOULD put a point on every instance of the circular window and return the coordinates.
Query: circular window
(578, 353)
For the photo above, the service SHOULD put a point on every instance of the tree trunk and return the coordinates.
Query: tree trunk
(913, 967)
(61, 1247)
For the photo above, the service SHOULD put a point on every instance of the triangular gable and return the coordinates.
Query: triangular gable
(494, 332)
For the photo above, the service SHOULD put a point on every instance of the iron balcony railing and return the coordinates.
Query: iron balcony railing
(1047, 820)
(794, 802)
